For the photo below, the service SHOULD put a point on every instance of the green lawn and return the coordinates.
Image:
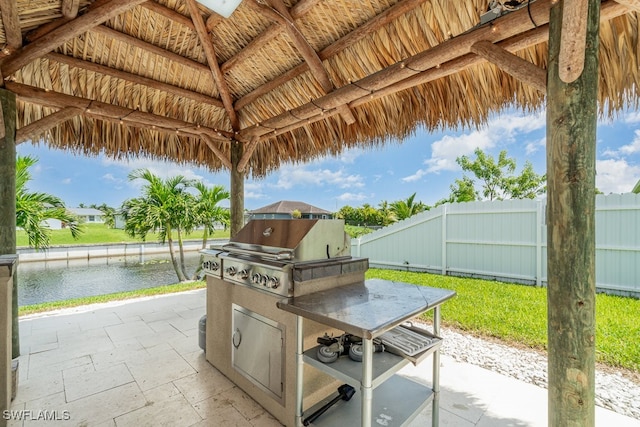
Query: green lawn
(518, 314)
(100, 233)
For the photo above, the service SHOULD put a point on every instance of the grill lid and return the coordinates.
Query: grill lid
(292, 239)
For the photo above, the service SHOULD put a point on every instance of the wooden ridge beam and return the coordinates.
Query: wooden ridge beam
(358, 34)
(609, 10)
(64, 33)
(145, 81)
(519, 68)
(105, 111)
(37, 128)
(633, 5)
(280, 13)
(11, 24)
(210, 53)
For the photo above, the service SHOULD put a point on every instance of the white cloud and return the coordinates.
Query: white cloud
(109, 177)
(534, 146)
(631, 118)
(500, 130)
(354, 197)
(300, 176)
(625, 150)
(616, 176)
(66, 181)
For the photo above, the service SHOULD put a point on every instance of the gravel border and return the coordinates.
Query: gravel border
(616, 390)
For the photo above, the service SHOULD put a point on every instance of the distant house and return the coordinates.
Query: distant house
(284, 210)
(88, 215)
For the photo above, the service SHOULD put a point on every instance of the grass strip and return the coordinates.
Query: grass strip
(118, 296)
(517, 314)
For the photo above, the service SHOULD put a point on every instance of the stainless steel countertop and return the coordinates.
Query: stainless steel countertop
(366, 309)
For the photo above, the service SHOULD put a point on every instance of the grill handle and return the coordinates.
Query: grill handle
(283, 255)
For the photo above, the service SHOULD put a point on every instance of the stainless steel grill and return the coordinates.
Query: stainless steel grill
(279, 255)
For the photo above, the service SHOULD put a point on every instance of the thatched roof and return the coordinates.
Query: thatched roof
(290, 80)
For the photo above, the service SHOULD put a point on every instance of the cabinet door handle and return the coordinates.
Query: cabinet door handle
(236, 339)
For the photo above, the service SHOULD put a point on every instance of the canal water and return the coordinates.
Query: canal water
(61, 280)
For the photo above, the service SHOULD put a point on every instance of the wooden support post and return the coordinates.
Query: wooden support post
(571, 143)
(8, 198)
(237, 188)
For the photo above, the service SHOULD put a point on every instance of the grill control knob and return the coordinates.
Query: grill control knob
(263, 279)
(243, 274)
(274, 282)
(214, 266)
(255, 279)
(231, 271)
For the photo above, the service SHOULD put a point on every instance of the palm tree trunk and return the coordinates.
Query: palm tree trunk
(181, 252)
(174, 261)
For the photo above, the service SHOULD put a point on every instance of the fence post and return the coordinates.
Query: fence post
(444, 239)
(539, 225)
(358, 247)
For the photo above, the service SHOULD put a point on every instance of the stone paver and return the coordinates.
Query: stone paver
(137, 363)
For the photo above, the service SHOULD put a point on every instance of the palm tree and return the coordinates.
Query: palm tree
(403, 209)
(165, 207)
(33, 209)
(209, 213)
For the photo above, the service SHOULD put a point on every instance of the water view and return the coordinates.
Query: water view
(60, 280)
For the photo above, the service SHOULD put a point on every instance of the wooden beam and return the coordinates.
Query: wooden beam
(358, 34)
(70, 8)
(246, 155)
(274, 30)
(11, 24)
(210, 53)
(105, 111)
(610, 9)
(37, 128)
(155, 84)
(169, 14)
(141, 44)
(572, 115)
(573, 39)
(45, 29)
(210, 143)
(519, 68)
(62, 34)
(281, 14)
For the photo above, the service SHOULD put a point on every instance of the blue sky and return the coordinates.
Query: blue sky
(423, 164)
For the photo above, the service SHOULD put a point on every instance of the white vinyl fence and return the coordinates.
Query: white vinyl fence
(507, 241)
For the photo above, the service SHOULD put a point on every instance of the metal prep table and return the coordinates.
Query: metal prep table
(369, 309)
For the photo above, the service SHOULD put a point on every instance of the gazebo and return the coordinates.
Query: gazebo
(286, 81)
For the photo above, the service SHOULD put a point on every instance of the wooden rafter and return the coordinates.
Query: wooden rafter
(573, 39)
(114, 113)
(210, 143)
(358, 34)
(246, 155)
(66, 32)
(37, 128)
(134, 78)
(70, 8)
(274, 30)
(11, 24)
(280, 13)
(514, 65)
(310, 113)
(210, 53)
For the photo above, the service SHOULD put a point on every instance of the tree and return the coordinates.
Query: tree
(33, 209)
(209, 213)
(386, 213)
(403, 209)
(463, 190)
(109, 214)
(164, 207)
(497, 178)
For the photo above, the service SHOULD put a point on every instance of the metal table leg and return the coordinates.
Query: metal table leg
(367, 380)
(299, 368)
(435, 421)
